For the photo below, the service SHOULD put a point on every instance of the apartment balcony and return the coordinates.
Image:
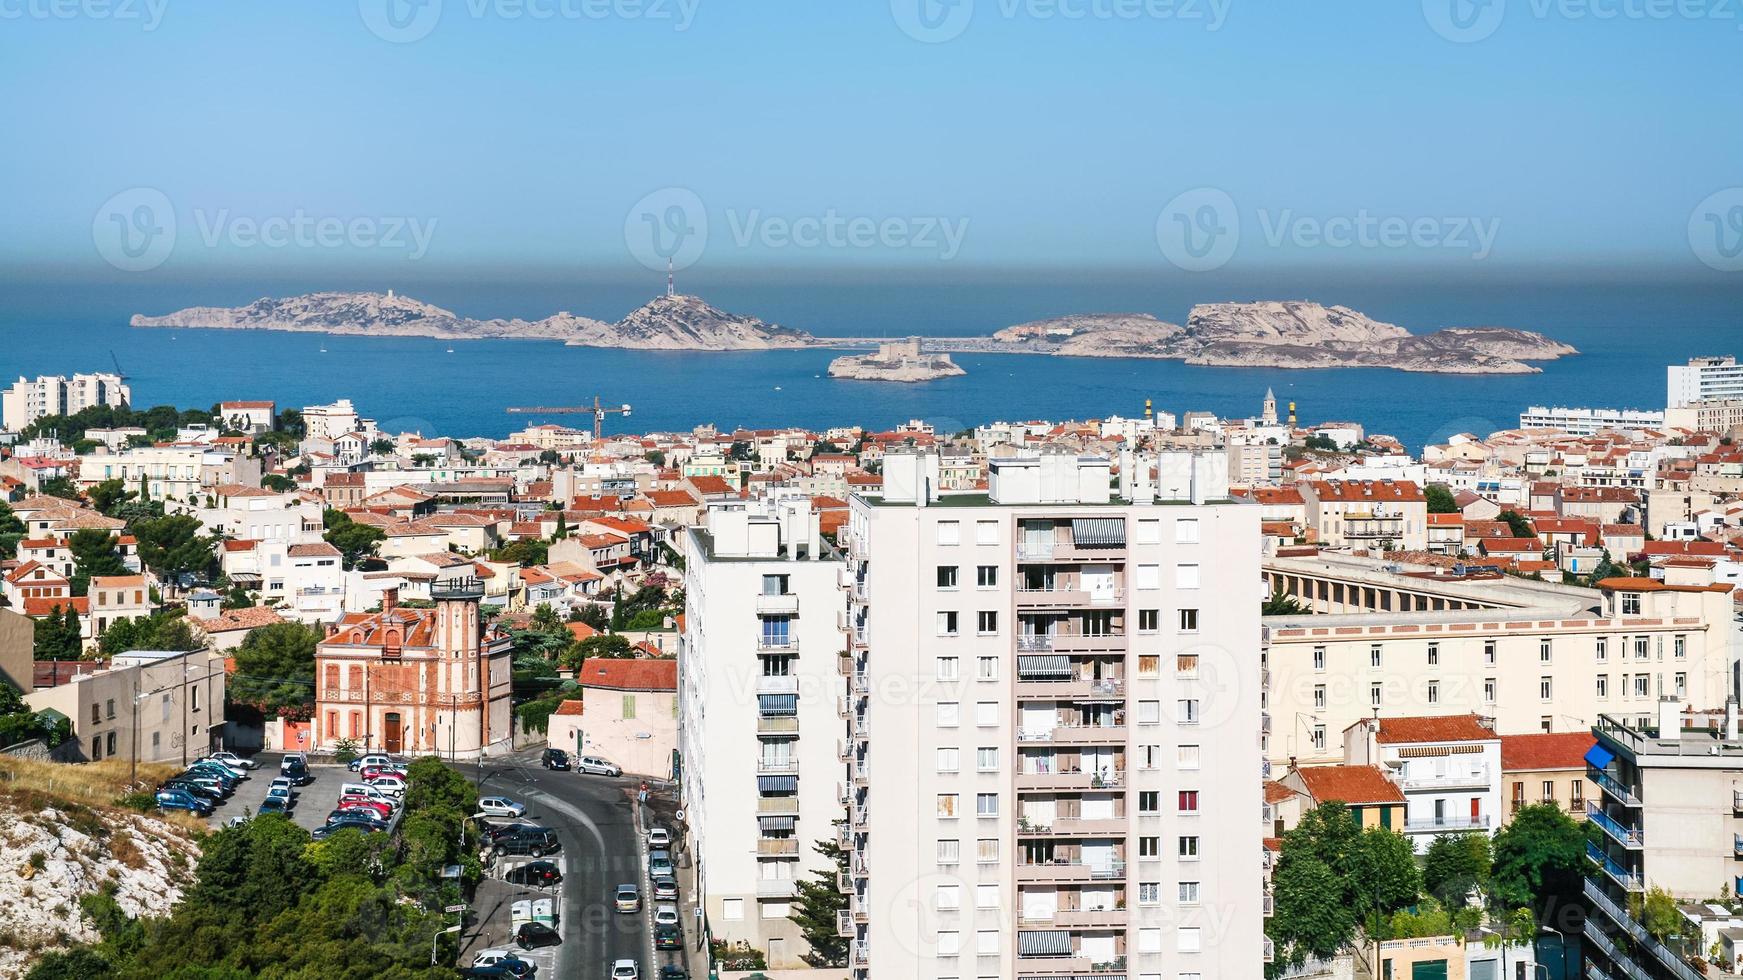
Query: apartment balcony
(1112, 641)
(777, 767)
(776, 888)
(844, 665)
(778, 847)
(1623, 794)
(861, 729)
(778, 605)
(861, 684)
(1064, 870)
(1075, 735)
(1270, 949)
(861, 953)
(1446, 783)
(777, 645)
(1423, 825)
(1035, 551)
(1643, 942)
(1614, 869)
(1108, 918)
(777, 805)
(1072, 689)
(1051, 598)
(1736, 801)
(1073, 827)
(784, 684)
(777, 725)
(1632, 838)
(844, 923)
(1066, 782)
(1268, 905)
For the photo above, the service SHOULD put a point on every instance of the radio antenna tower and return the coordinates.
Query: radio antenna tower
(669, 291)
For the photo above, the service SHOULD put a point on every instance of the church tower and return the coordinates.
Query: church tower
(1268, 414)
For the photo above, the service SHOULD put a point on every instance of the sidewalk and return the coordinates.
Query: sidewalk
(662, 808)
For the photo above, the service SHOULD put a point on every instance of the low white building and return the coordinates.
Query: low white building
(1449, 768)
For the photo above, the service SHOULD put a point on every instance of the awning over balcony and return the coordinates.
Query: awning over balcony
(777, 784)
(774, 705)
(1043, 944)
(1043, 666)
(771, 821)
(1098, 532)
(1598, 757)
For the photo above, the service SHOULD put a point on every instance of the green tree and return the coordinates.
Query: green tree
(173, 546)
(1657, 911)
(108, 495)
(524, 552)
(550, 457)
(52, 636)
(1372, 874)
(382, 447)
(816, 906)
(355, 541)
(277, 483)
(78, 963)
(591, 615)
(1540, 860)
(95, 552)
(1280, 603)
(59, 486)
(1455, 865)
(546, 620)
(275, 667)
(159, 631)
(237, 598)
(1519, 526)
(606, 645)
(12, 531)
(1440, 499)
(1307, 921)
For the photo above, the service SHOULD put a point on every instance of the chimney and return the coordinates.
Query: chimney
(1731, 726)
(332, 630)
(389, 599)
(1669, 719)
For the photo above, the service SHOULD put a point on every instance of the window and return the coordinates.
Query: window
(1186, 531)
(1189, 801)
(1630, 603)
(109, 709)
(1544, 688)
(1149, 893)
(1641, 685)
(1434, 655)
(1374, 655)
(947, 576)
(1640, 648)
(1543, 650)
(1149, 940)
(986, 896)
(1317, 737)
(1548, 790)
(986, 623)
(96, 746)
(949, 760)
(948, 896)
(987, 850)
(1374, 694)
(1488, 653)
(986, 941)
(1187, 939)
(947, 623)
(1149, 712)
(986, 714)
(1186, 576)
(628, 707)
(1149, 532)
(1188, 620)
(774, 585)
(1149, 665)
(1319, 658)
(1488, 690)
(109, 743)
(1681, 681)
(732, 909)
(986, 532)
(1149, 756)
(949, 532)
(947, 803)
(949, 851)
(1603, 685)
(1147, 577)
(96, 714)
(1186, 665)
(1187, 848)
(1434, 692)
(1149, 620)
(986, 758)
(1186, 757)
(1185, 711)
(1189, 893)
(1319, 697)
(1149, 802)
(947, 668)
(949, 714)
(986, 576)
(1150, 847)
(986, 804)
(949, 943)
(1680, 644)
(1602, 650)
(987, 668)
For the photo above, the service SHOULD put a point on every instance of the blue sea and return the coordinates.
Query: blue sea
(1627, 332)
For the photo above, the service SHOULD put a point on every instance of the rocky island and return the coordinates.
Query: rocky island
(1288, 334)
(666, 323)
(902, 360)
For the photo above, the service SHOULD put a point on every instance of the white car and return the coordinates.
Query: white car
(596, 766)
(281, 783)
(501, 806)
(233, 760)
(659, 838)
(625, 970)
(491, 957)
(665, 915)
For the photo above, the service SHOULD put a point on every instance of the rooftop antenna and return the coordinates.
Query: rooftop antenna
(669, 291)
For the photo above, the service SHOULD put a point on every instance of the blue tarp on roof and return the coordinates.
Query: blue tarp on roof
(1599, 757)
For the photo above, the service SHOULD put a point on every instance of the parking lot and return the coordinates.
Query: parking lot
(313, 802)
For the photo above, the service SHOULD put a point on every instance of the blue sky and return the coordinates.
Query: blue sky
(522, 145)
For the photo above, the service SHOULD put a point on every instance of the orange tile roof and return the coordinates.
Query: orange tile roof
(43, 606)
(251, 617)
(1444, 728)
(1546, 750)
(1276, 792)
(581, 631)
(629, 675)
(569, 707)
(1349, 784)
(1629, 584)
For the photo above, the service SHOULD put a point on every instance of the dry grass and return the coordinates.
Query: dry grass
(93, 784)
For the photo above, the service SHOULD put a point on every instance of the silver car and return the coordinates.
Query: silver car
(596, 766)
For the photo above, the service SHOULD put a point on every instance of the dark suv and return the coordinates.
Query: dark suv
(555, 759)
(538, 842)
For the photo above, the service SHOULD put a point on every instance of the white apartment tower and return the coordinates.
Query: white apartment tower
(759, 732)
(1054, 716)
(1703, 379)
(26, 401)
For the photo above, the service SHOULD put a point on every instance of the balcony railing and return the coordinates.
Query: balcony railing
(861, 953)
(1623, 794)
(1617, 872)
(778, 847)
(1631, 837)
(1480, 822)
(777, 767)
(777, 725)
(1032, 642)
(1075, 734)
(779, 605)
(1643, 940)
(1034, 552)
(777, 804)
(777, 644)
(1450, 781)
(843, 922)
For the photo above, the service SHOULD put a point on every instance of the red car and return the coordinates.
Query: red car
(375, 772)
(361, 803)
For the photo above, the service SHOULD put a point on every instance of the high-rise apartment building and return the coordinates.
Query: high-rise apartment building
(1703, 379)
(760, 734)
(26, 401)
(1054, 716)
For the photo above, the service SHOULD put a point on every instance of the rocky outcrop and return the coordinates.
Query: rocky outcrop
(667, 323)
(1094, 335)
(900, 361)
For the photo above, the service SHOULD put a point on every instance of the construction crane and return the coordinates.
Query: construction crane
(598, 411)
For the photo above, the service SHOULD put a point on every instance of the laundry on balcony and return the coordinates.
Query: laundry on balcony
(1046, 666)
(1050, 943)
(1098, 532)
(775, 705)
(777, 784)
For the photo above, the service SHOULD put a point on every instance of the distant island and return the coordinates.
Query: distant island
(1276, 334)
(902, 360)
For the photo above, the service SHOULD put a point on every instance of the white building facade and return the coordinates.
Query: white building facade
(27, 400)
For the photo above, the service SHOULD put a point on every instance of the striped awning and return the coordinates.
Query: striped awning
(1044, 943)
(1098, 532)
(773, 821)
(1043, 665)
(777, 784)
(771, 705)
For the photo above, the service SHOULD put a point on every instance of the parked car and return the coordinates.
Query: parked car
(625, 970)
(284, 783)
(297, 772)
(274, 804)
(232, 759)
(668, 937)
(181, 799)
(542, 873)
(659, 838)
(501, 806)
(207, 782)
(234, 768)
(498, 831)
(672, 971)
(492, 972)
(332, 827)
(216, 771)
(665, 889)
(555, 759)
(595, 766)
(538, 842)
(376, 759)
(628, 898)
(660, 865)
(358, 803)
(505, 958)
(532, 935)
(203, 790)
(362, 816)
(665, 915)
(282, 795)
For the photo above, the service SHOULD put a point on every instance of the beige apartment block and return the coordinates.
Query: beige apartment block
(149, 706)
(1055, 767)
